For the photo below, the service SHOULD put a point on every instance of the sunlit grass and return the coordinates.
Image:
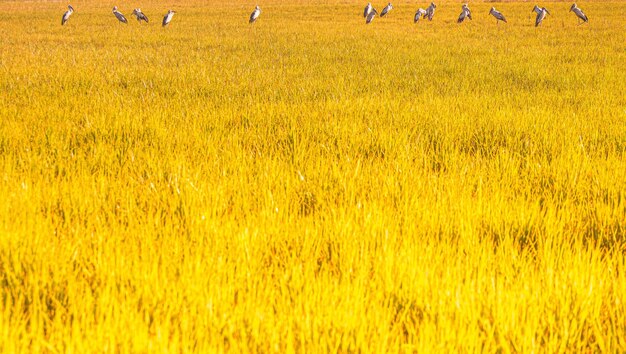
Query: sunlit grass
(311, 183)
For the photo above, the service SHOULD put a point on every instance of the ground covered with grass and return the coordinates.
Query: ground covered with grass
(310, 183)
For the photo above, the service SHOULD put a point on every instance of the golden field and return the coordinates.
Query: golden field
(310, 183)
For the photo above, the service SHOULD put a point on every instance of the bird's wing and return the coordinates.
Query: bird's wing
(120, 17)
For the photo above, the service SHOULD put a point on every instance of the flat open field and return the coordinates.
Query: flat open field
(309, 183)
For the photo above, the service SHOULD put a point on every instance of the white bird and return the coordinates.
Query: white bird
(367, 10)
(255, 14)
(541, 14)
(430, 11)
(67, 14)
(497, 14)
(168, 17)
(140, 16)
(420, 12)
(386, 10)
(465, 13)
(119, 15)
(581, 15)
(370, 16)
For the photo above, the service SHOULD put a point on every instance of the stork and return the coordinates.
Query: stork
(370, 16)
(497, 14)
(430, 11)
(67, 14)
(579, 13)
(465, 13)
(119, 15)
(140, 16)
(255, 14)
(420, 12)
(386, 10)
(541, 14)
(168, 17)
(367, 10)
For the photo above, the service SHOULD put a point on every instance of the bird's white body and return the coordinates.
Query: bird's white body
(579, 13)
(370, 16)
(420, 12)
(255, 14)
(119, 15)
(168, 17)
(430, 11)
(368, 9)
(387, 8)
(67, 14)
(497, 14)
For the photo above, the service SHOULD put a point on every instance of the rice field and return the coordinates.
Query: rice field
(310, 183)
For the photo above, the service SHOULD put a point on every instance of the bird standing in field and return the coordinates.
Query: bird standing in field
(579, 13)
(497, 14)
(119, 15)
(67, 14)
(168, 17)
(367, 10)
(420, 12)
(430, 11)
(386, 10)
(140, 16)
(541, 14)
(370, 16)
(465, 13)
(255, 14)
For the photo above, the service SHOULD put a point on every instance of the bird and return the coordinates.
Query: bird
(140, 16)
(465, 13)
(370, 16)
(67, 14)
(168, 17)
(541, 14)
(420, 12)
(119, 15)
(430, 11)
(367, 10)
(581, 15)
(497, 14)
(255, 14)
(386, 10)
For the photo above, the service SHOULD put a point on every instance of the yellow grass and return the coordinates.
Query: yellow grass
(310, 183)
